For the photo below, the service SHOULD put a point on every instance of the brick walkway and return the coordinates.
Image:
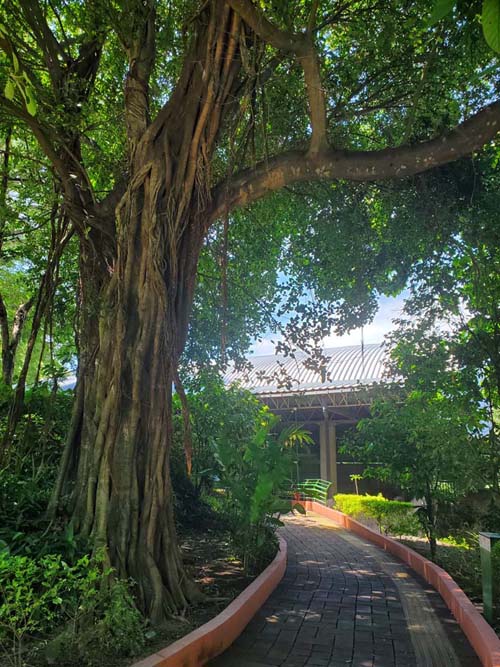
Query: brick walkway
(344, 602)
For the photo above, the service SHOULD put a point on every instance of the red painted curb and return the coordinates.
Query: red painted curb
(481, 635)
(211, 639)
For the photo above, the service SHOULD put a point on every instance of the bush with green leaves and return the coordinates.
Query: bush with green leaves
(219, 415)
(32, 594)
(26, 481)
(256, 477)
(94, 612)
(392, 516)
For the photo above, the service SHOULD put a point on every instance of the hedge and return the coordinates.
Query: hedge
(392, 516)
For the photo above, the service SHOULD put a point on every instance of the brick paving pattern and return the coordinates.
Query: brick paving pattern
(341, 604)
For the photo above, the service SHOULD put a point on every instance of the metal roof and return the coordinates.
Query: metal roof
(346, 367)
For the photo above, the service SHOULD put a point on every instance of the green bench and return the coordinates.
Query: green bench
(316, 489)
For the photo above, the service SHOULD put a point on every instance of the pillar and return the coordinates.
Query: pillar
(323, 449)
(332, 455)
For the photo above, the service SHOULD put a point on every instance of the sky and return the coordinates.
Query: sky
(389, 309)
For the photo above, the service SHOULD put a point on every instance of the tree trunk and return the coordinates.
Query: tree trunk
(117, 454)
(431, 522)
(116, 463)
(123, 497)
(9, 351)
(94, 279)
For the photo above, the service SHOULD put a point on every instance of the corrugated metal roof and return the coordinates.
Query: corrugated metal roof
(346, 367)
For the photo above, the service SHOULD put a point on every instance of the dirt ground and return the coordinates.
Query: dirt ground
(211, 562)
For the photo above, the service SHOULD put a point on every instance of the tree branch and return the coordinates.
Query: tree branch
(139, 45)
(315, 94)
(302, 47)
(45, 38)
(295, 166)
(41, 134)
(18, 324)
(4, 325)
(269, 33)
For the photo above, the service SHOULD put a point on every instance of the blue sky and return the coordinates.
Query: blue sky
(389, 309)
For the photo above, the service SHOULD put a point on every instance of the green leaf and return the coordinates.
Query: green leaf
(491, 23)
(31, 104)
(281, 506)
(299, 508)
(9, 90)
(440, 10)
(273, 521)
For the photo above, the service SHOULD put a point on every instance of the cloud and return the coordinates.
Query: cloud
(389, 309)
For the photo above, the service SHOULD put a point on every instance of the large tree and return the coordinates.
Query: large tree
(158, 119)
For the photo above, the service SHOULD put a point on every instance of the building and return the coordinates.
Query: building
(328, 404)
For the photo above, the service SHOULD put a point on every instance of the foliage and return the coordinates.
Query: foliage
(490, 19)
(459, 555)
(107, 623)
(441, 418)
(392, 516)
(452, 315)
(256, 477)
(145, 123)
(426, 430)
(26, 484)
(96, 612)
(32, 595)
(452, 70)
(218, 414)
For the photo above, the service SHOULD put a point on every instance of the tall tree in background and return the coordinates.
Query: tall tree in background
(454, 297)
(160, 118)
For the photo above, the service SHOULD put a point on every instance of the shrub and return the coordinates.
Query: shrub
(33, 594)
(95, 611)
(392, 516)
(106, 623)
(220, 416)
(256, 477)
(27, 481)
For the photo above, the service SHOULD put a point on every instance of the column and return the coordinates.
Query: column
(323, 449)
(332, 455)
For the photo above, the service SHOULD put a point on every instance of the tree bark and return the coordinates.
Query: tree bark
(115, 469)
(122, 495)
(10, 343)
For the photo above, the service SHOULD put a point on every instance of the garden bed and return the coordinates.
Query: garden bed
(210, 561)
(461, 559)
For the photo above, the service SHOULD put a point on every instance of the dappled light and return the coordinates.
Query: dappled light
(209, 451)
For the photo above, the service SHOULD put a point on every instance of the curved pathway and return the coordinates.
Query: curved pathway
(345, 602)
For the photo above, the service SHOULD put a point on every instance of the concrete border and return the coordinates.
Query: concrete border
(481, 635)
(214, 637)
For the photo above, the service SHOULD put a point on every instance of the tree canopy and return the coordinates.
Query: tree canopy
(149, 152)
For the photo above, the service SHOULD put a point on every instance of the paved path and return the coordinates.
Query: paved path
(345, 602)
